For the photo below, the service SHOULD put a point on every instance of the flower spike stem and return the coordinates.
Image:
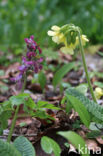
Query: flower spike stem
(15, 115)
(85, 68)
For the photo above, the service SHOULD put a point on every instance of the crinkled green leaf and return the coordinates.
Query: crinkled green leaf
(7, 149)
(49, 146)
(80, 108)
(95, 110)
(24, 146)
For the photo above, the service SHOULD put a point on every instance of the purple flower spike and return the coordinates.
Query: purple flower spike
(40, 60)
(26, 40)
(40, 51)
(40, 67)
(22, 69)
(33, 46)
(23, 59)
(29, 62)
(36, 69)
(32, 37)
(31, 54)
(17, 78)
(32, 60)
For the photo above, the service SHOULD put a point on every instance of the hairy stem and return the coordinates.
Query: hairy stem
(16, 114)
(85, 68)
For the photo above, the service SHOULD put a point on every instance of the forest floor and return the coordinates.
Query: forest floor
(35, 128)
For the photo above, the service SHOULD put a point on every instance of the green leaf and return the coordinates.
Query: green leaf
(76, 124)
(7, 149)
(18, 99)
(62, 72)
(42, 80)
(30, 103)
(42, 115)
(82, 88)
(41, 104)
(68, 107)
(80, 108)
(76, 140)
(2, 73)
(93, 134)
(95, 110)
(45, 104)
(49, 146)
(22, 124)
(4, 116)
(6, 105)
(100, 53)
(23, 145)
(95, 127)
(99, 84)
(67, 144)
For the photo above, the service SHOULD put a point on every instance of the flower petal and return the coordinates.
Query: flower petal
(83, 38)
(56, 39)
(67, 50)
(55, 28)
(51, 33)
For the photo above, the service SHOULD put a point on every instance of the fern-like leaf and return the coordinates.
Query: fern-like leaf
(23, 145)
(95, 109)
(7, 149)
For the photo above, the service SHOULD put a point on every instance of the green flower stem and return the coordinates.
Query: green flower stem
(15, 115)
(85, 68)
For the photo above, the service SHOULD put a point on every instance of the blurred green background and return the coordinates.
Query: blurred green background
(21, 18)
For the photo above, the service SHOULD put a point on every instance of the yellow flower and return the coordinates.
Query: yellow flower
(68, 48)
(57, 36)
(60, 35)
(98, 92)
(83, 39)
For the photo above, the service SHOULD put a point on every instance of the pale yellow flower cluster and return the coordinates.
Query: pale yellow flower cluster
(98, 92)
(59, 37)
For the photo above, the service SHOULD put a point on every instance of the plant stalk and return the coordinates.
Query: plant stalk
(16, 114)
(85, 68)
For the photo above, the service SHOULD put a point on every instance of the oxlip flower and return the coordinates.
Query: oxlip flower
(71, 37)
(57, 36)
(98, 92)
(61, 35)
(83, 39)
(69, 48)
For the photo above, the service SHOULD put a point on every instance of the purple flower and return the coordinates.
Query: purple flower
(29, 62)
(40, 51)
(23, 59)
(32, 37)
(40, 60)
(40, 67)
(22, 68)
(36, 69)
(30, 54)
(32, 60)
(17, 78)
(30, 42)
